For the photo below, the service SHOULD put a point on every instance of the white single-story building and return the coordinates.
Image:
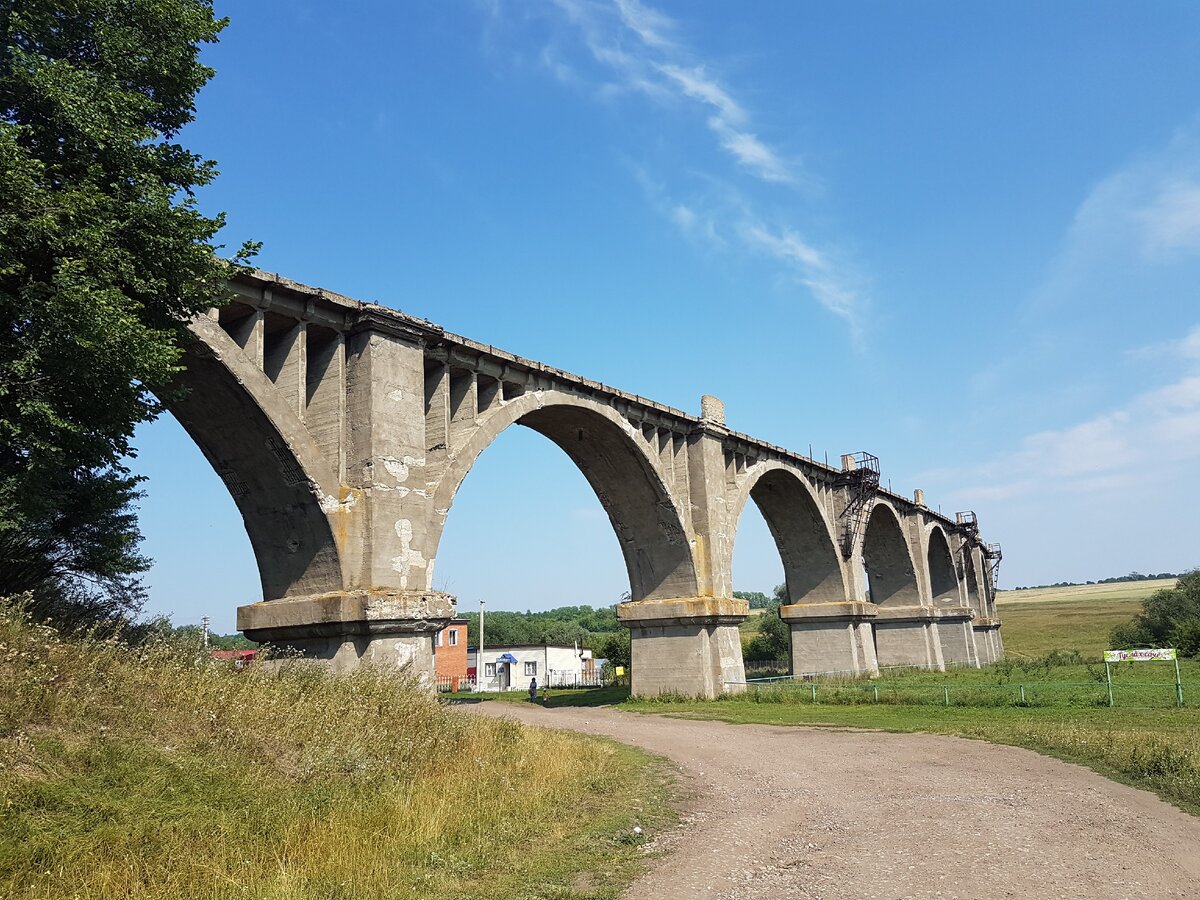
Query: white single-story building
(511, 667)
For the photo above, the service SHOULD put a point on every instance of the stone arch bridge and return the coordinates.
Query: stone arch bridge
(343, 430)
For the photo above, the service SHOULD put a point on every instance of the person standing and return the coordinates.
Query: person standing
(533, 690)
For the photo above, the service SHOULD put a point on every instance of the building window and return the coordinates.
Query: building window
(531, 668)
(489, 670)
(454, 637)
(437, 639)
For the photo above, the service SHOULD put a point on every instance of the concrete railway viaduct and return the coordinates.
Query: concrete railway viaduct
(343, 430)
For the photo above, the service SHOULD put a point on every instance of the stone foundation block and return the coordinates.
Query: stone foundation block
(831, 637)
(345, 629)
(688, 646)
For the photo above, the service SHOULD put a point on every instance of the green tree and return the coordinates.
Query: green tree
(616, 648)
(104, 256)
(771, 641)
(1169, 618)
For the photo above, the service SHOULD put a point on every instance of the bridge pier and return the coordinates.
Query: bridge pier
(987, 640)
(689, 646)
(833, 636)
(907, 636)
(346, 629)
(956, 636)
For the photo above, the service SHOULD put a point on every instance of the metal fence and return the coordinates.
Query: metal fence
(848, 688)
(449, 684)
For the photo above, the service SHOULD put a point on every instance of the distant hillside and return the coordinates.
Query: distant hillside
(1132, 576)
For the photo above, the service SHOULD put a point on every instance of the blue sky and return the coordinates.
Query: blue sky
(962, 236)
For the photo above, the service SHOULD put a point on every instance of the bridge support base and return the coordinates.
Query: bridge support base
(347, 629)
(956, 636)
(688, 646)
(987, 640)
(831, 637)
(908, 636)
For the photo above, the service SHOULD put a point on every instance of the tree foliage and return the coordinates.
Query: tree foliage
(562, 625)
(104, 255)
(772, 638)
(1169, 618)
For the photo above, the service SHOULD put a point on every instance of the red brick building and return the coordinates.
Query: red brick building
(450, 653)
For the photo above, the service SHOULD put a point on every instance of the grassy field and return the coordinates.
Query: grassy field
(1079, 618)
(153, 773)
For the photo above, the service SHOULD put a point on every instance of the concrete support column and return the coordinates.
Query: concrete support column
(387, 612)
(688, 646)
(836, 636)
(908, 636)
(987, 640)
(956, 636)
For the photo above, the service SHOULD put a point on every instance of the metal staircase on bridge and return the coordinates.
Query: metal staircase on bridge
(993, 554)
(860, 477)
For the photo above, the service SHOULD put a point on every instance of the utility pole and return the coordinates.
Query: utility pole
(204, 632)
(479, 653)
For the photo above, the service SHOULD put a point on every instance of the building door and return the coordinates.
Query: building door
(504, 675)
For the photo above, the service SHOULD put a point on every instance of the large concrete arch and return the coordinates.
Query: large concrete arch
(811, 563)
(943, 580)
(904, 629)
(271, 466)
(645, 517)
(888, 559)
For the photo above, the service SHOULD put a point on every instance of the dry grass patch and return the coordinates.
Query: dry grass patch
(154, 773)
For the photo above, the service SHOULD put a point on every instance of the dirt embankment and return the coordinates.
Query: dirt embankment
(774, 812)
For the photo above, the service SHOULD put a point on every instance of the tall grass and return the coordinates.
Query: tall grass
(154, 772)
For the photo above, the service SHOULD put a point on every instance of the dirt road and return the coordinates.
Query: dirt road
(778, 812)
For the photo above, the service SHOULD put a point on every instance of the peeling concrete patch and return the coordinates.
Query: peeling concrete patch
(408, 558)
(400, 468)
(330, 504)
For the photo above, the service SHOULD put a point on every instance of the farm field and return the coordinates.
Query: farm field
(1079, 617)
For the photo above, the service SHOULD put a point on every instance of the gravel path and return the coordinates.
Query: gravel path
(800, 812)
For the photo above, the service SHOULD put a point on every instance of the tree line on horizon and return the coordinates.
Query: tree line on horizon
(1132, 576)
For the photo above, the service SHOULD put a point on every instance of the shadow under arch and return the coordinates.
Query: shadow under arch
(971, 577)
(943, 581)
(888, 560)
(647, 522)
(268, 461)
(811, 566)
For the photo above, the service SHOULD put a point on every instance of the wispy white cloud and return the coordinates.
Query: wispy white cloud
(648, 24)
(1156, 434)
(640, 53)
(1171, 221)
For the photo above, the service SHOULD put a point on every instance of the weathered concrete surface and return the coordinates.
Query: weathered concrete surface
(775, 812)
(343, 430)
(685, 646)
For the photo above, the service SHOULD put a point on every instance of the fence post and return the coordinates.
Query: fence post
(1178, 683)
(876, 693)
(814, 692)
(1022, 695)
(947, 689)
(1108, 678)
